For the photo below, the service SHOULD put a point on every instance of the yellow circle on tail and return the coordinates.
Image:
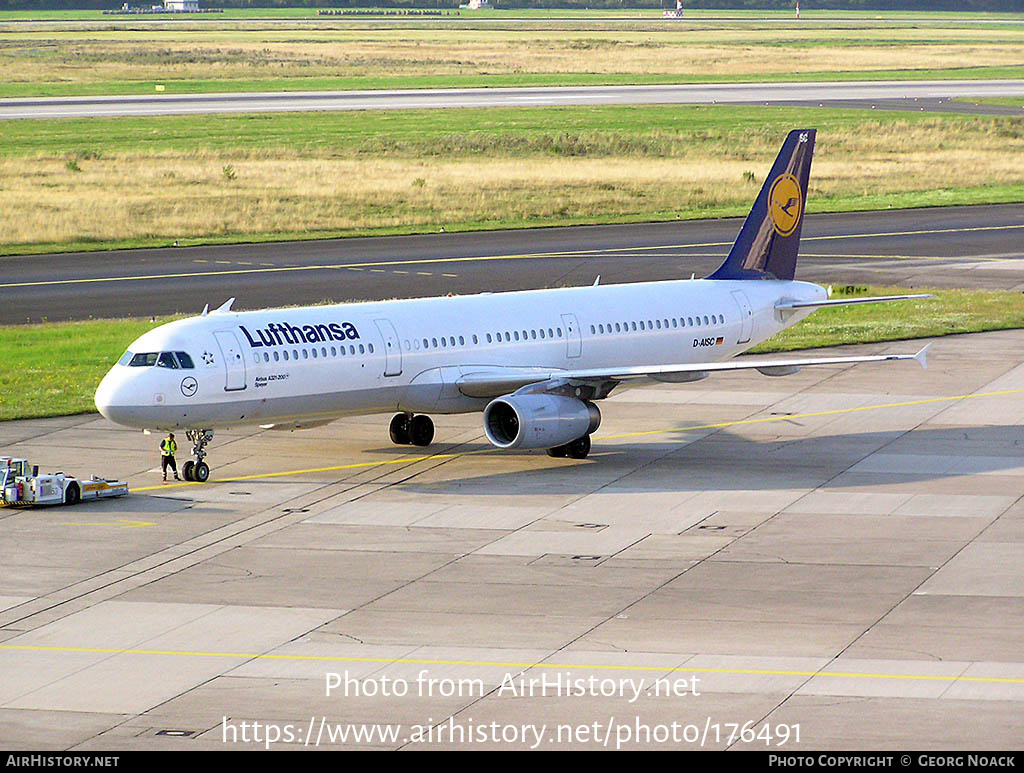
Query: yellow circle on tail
(785, 204)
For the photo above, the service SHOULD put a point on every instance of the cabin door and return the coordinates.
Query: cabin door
(746, 316)
(573, 339)
(234, 362)
(392, 349)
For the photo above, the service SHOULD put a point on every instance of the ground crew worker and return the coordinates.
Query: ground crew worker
(167, 449)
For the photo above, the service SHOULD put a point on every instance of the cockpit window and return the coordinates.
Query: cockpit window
(146, 360)
(173, 360)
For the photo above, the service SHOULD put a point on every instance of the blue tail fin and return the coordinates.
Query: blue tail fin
(767, 245)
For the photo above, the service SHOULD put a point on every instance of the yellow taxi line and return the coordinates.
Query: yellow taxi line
(513, 664)
(673, 430)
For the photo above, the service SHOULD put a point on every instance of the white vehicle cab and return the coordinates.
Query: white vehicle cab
(535, 363)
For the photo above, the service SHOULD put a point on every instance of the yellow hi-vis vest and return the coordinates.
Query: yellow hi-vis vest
(169, 446)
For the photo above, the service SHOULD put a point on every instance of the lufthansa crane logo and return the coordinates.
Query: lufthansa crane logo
(189, 386)
(784, 204)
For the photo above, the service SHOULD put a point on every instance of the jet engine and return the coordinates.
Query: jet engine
(538, 420)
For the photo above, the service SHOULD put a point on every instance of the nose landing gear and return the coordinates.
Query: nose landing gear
(198, 471)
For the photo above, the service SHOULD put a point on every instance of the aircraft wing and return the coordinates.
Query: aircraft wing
(495, 383)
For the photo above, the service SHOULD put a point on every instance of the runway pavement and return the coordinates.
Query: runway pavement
(900, 95)
(834, 556)
(941, 247)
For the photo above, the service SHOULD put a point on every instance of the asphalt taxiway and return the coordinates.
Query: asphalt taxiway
(939, 247)
(834, 555)
(900, 95)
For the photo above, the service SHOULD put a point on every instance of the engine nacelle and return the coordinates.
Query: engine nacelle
(538, 420)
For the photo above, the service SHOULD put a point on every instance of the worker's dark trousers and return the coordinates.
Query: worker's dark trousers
(168, 461)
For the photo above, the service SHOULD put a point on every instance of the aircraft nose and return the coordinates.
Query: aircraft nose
(110, 399)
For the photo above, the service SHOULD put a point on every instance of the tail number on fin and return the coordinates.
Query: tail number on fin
(785, 204)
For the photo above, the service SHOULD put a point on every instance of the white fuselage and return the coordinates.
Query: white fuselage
(303, 366)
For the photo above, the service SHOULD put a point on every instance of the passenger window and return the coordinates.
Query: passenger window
(276, 358)
(361, 350)
(488, 338)
(559, 331)
(285, 353)
(371, 348)
(266, 357)
(517, 335)
(256, 357)
(305, 354)
(451, 340)
(462, 341)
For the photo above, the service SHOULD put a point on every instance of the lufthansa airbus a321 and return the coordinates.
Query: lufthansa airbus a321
(535, 363)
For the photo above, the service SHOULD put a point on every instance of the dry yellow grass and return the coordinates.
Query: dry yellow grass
(237, 54)
(172, 195)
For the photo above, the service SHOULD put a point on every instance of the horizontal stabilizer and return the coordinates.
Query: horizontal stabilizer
(787, 306)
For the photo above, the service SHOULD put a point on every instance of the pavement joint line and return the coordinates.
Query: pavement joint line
(480, 258)
(719, 425)
(513, 664)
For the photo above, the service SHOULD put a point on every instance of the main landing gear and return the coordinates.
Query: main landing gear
(198, 471)
(577, 449)
(409, 430)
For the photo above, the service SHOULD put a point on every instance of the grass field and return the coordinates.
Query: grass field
(239, 56)
(77, 184)
(53, 369)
